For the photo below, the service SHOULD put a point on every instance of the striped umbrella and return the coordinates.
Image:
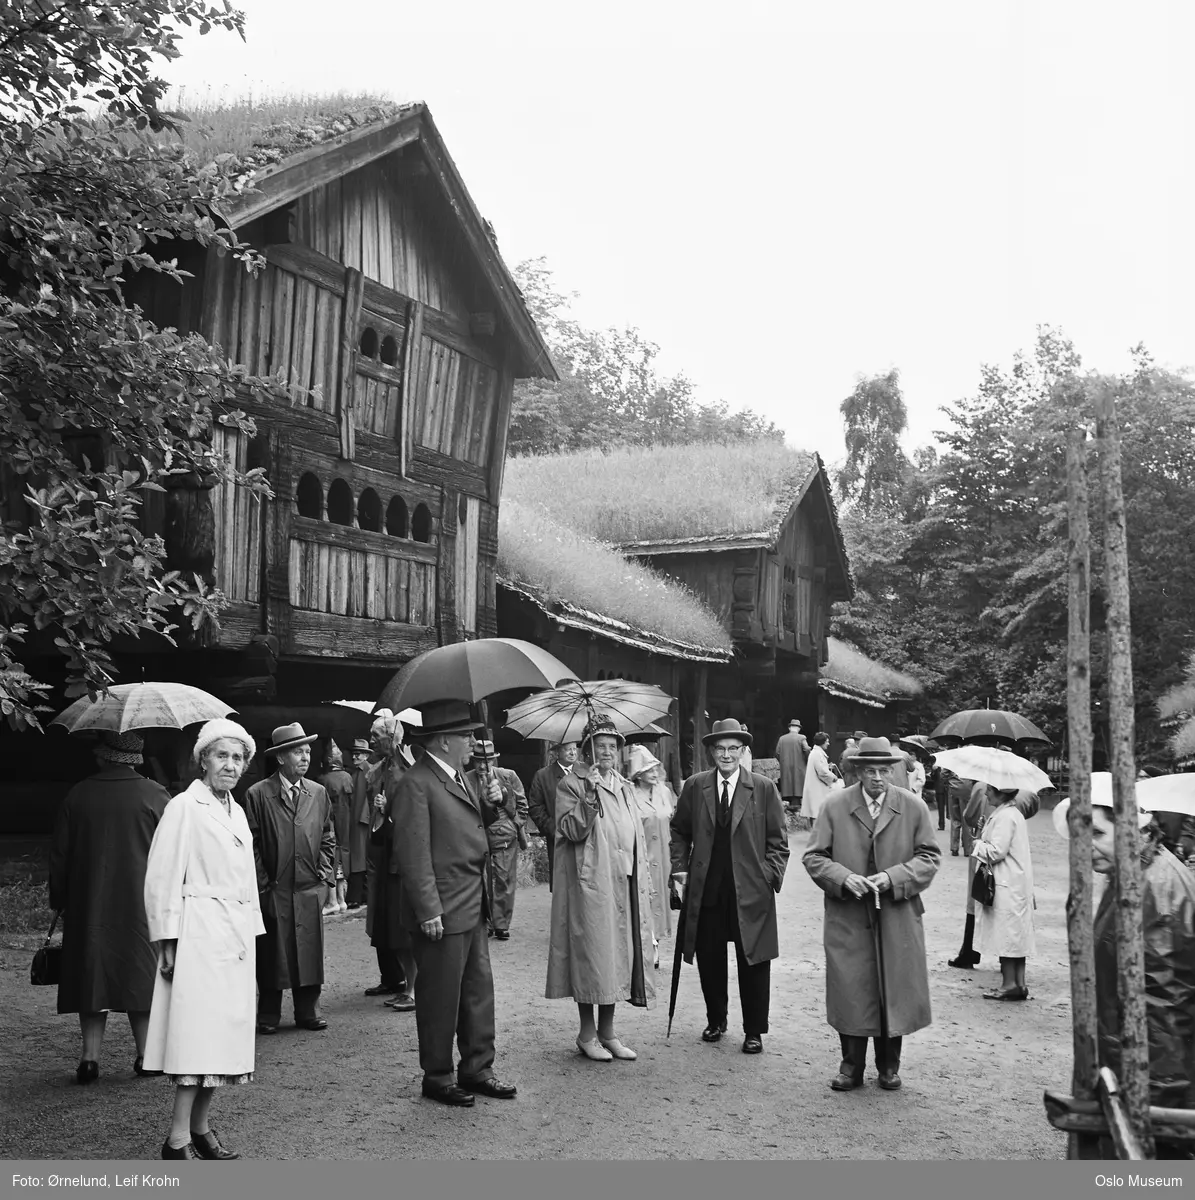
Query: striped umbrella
(128, 706)
(561, 715)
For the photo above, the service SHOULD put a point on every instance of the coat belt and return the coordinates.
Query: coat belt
(203, 892)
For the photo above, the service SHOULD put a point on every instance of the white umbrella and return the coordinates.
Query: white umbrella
(408, 716)
(1000, 768)
(128, 706)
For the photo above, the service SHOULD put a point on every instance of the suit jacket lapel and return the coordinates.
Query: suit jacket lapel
(457, 787)
(860, 811)
(888, 811)
(744, 793)
(710, 795)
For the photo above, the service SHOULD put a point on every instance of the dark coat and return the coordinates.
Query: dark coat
(441, 848)
(904, 845)
(541, 799)
(294, 850)
(792, 750)
(512, 813)
(385, 921)
(360, 817)
(97, 879)
(338, 783)
(758, 856)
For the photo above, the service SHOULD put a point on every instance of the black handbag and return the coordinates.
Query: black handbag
(47, 962)
(983, 886)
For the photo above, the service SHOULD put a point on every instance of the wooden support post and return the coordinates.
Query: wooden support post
(1130, 947)
(410, 376)
(354, 292)
(673, 764)
(699, 718)
(1078, 698)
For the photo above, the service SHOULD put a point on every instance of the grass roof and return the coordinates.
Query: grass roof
(660, 493)
(559, 564)
(846, 665)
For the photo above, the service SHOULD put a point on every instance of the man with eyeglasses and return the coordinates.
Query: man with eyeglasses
(729, 851)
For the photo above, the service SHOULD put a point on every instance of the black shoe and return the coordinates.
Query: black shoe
(88, 1071)
(187, 1151)
(889, 1081)
(265, 1027)
(448, 1093)
(139, 1069)
(381, 989)
(713, 1033)
(503, 935)
(315, 1024)
(489, 1087)
(845, 1083)
(752, 1044)
(207, 1145)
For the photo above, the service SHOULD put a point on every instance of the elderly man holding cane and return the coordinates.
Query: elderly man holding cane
(873, 851)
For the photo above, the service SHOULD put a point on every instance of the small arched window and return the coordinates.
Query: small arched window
(369, 342)
(340, 503)
(310, 497)
(396, 518)
(421, 524)
(390, 351)
(369, 511)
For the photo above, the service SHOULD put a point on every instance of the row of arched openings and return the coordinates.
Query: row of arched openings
(384, 349)
(361, 512)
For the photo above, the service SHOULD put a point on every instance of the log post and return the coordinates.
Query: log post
(1078, 698)
(1130, 949)
(699, 719)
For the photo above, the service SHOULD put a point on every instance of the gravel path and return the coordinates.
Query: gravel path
(973, 1080)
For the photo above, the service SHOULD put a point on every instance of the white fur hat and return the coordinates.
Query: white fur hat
(222, 727)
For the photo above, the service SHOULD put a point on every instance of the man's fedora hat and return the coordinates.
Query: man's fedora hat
(486, 750)
(876, 751)
(730, 728)
(361, 745)
(859, 734)
(289, 737)
(793, 722)
(445, 716)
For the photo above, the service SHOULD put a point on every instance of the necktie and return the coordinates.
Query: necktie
(725, 795)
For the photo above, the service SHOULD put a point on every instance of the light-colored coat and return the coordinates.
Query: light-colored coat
(1005, 929)
(592, 948)
(820, 781)
(758, 856)
(906, 847)
(793, 752)
(201, 888)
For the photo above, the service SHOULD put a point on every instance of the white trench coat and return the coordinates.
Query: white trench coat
(201, 888)
(1005, 930)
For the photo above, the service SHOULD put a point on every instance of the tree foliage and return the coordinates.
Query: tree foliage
(961, 571)
(610, 392)
(97, 404)
(874, 418)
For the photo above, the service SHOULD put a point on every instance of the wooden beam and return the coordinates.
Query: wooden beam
(215, 298)
(699, 728)
(501, 419)
(350, 321)
(1119, 1125)
(410, 373)
(1130, 946)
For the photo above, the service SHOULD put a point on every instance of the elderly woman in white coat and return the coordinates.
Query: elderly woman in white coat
(204, 916)
(601, 902)
(1005, 928)
(656, 803)
(820, 779)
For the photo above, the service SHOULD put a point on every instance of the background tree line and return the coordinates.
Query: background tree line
(960, 555)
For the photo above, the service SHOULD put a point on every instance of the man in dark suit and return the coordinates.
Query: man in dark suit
(294, 846)
(440, 849)
(541, 800)
(730, 847)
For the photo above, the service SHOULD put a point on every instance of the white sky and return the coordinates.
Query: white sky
(784, 195)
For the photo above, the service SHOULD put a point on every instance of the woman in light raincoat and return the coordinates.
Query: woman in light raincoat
(656, 806)
(820, 779)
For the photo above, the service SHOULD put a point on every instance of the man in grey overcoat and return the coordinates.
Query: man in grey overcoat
(873, 852)
(792, 751)
(294, 846)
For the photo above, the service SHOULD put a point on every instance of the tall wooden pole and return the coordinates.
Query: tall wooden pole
(1078, 700)
(1130, 949)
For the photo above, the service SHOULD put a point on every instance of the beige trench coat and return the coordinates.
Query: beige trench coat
(201, 888)
(592, 948)
(1005, 929)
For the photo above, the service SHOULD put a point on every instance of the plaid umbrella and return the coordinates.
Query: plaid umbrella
(561, 715)
(128, 706)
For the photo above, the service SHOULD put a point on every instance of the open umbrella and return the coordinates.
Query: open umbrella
(1161, 793)
(560, 715)
(408, 716)
(990, 723)
(471, 671)
(1000, 768)
(128, 706)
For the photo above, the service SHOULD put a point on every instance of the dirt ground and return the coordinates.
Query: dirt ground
(973, 1081)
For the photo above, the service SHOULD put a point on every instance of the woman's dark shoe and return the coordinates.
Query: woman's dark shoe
(381, 989)
(207, 1145)
(139, 1067)
(187, 1151)
(88, 1071)
(1013, 993)
(402, 1003)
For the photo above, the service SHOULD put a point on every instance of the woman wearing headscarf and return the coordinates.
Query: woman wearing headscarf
(97, 876)
(656, 805)
(601, 901)
(820, 779)
(388, 933)
(204, 915)
(1005, 927)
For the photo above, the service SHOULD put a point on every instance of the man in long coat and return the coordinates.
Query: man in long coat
(729, 852)
(793, 752)
(503, 835)
(440, 849)
(845, 766)
(541, 799)
(874, 845)
(360, 821)
(294, 846)
(338, 783)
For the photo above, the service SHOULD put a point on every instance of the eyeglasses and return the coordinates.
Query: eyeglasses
(728, 751)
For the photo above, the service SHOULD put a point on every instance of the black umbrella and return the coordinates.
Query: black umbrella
(990, 723)
(678, 957)
(878, 937)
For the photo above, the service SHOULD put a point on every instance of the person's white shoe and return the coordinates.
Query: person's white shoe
(595, 1050)
(618, 1050)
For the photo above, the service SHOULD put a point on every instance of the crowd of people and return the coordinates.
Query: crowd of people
(223, 908)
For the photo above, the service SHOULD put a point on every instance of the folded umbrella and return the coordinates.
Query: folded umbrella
(561, 715)
(128, 706)
(1000, 768)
